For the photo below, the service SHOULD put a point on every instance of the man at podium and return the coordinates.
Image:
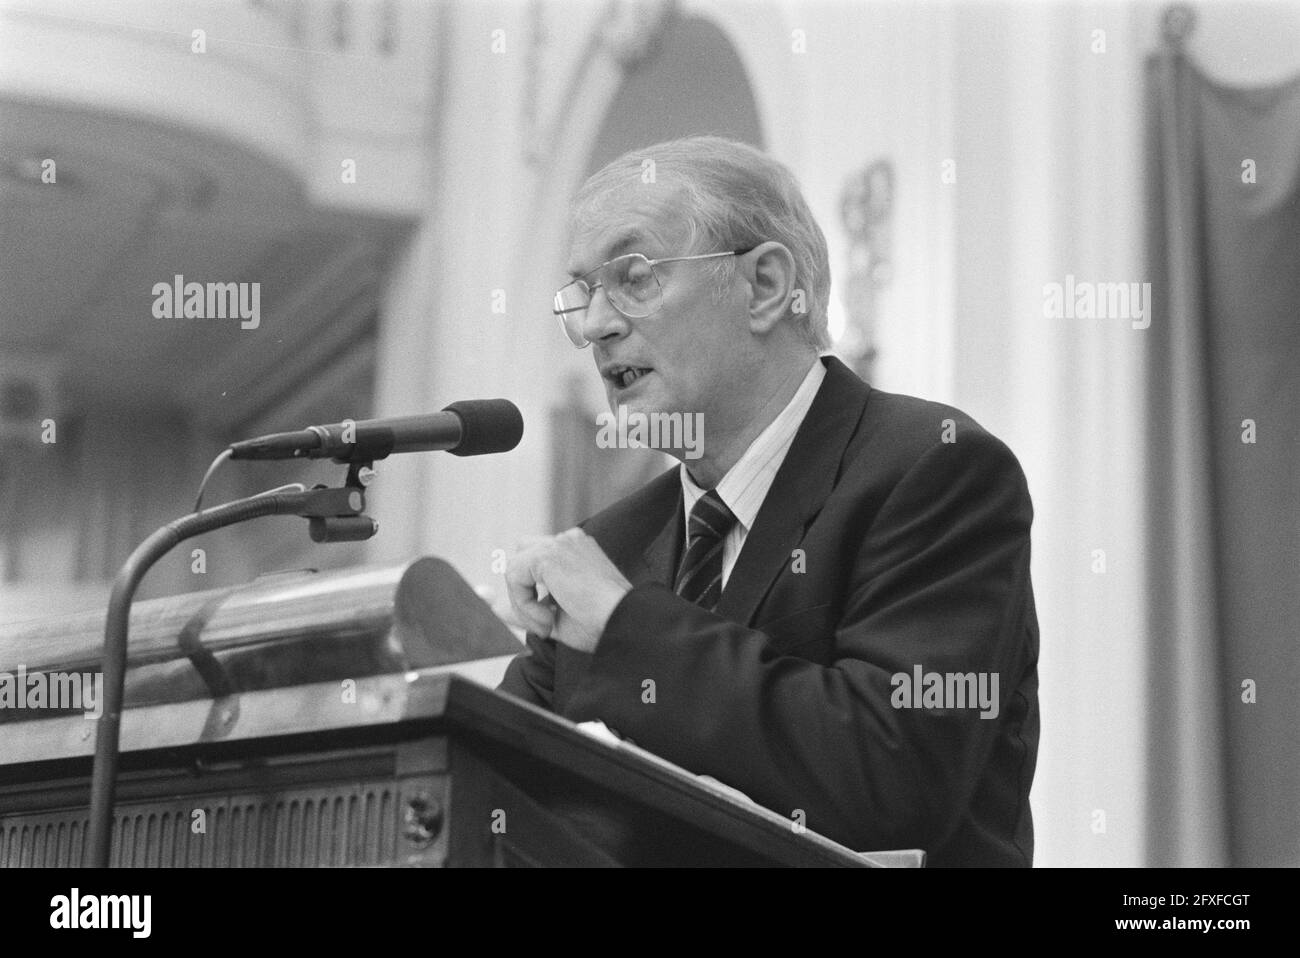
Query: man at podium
(827, 605)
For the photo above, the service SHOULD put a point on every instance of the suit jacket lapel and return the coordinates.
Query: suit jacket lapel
(645, 539)
(660, 558)
(801, 486)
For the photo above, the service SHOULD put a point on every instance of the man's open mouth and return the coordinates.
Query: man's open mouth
(624, 376)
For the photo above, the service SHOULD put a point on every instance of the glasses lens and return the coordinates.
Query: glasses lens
(570, 309)
(571, 323)
(631, 285)
(573, 296)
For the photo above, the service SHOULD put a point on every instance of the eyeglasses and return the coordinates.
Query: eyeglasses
(631, 284)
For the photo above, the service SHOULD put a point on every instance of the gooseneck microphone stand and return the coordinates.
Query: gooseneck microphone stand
(336, 515)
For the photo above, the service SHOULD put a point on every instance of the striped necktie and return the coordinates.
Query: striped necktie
(699, 578)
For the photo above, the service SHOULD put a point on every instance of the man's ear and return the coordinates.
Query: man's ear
(770, 270)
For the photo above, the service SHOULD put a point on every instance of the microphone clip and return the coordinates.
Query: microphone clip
(337, 515)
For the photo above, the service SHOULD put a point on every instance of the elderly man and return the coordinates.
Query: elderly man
(830, 608)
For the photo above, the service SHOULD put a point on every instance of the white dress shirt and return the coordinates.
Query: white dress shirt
(745, 485)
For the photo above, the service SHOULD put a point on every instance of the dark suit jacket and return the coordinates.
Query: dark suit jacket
(879, 548)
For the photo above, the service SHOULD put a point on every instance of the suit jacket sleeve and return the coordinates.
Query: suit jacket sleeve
(940, 579)
(531, 676)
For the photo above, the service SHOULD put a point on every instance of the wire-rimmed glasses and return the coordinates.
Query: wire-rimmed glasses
(631, 284)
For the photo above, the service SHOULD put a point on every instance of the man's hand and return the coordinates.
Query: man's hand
(564, 587)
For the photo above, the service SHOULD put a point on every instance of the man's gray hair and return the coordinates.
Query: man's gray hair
(733, 197)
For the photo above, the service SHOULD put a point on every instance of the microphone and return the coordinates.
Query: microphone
(472, 427)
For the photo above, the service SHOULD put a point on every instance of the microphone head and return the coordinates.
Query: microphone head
(487, 426)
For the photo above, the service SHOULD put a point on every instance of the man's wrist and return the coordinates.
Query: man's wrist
(614, 614)
(614, 599)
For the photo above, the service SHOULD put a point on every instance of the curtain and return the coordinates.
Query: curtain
(1224, 458)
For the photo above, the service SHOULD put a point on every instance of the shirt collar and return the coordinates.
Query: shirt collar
(745, 485)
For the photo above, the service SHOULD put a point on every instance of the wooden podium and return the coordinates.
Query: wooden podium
(338, 719)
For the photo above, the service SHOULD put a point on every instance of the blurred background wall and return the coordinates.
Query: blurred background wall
(395, 175)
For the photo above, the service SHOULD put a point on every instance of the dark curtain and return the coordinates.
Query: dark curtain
(1224, 499)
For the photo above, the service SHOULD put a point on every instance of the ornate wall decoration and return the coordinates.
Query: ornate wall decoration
(866, 209)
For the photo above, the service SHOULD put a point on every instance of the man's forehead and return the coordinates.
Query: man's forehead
(590, 251)
(614, 231)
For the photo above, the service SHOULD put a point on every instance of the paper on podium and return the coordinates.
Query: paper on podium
(599, 730)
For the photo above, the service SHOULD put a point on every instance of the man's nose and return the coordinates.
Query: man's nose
(602, 320)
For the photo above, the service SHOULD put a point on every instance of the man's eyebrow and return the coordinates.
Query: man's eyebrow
(622, 245)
